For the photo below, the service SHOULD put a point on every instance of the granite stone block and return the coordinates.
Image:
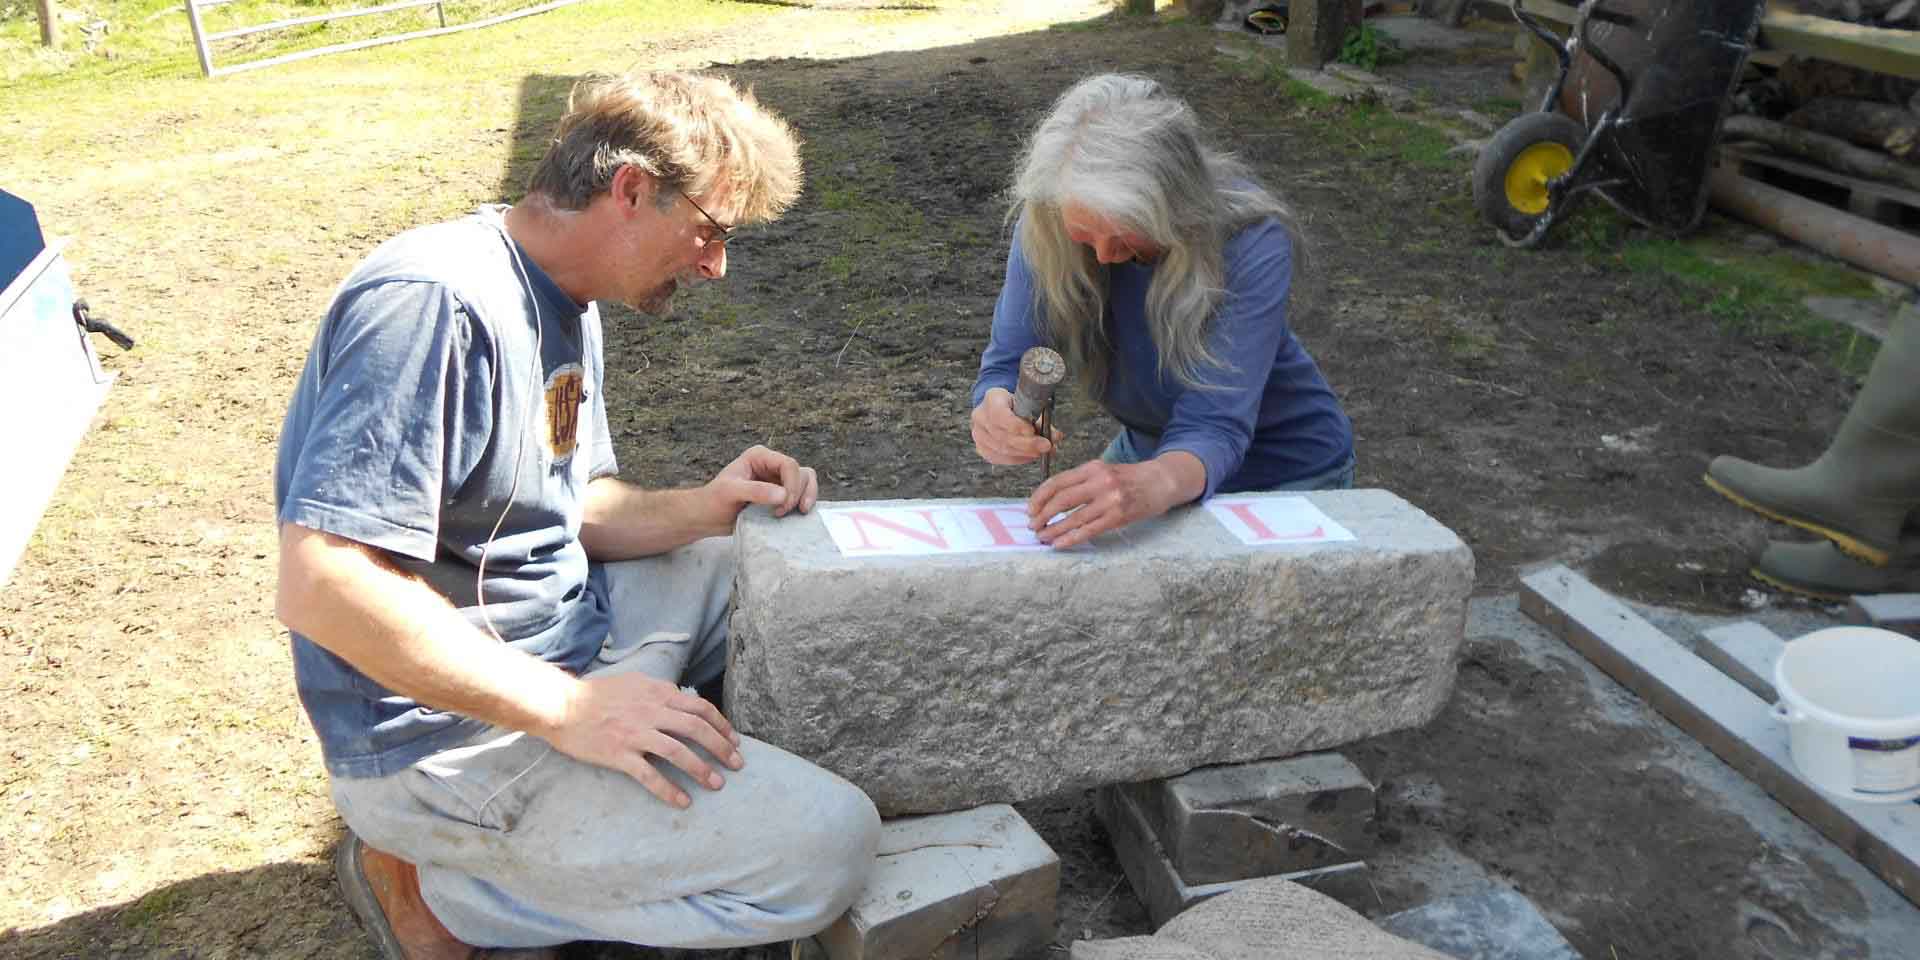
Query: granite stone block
(945, 682)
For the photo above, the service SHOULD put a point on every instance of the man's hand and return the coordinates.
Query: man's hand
(761, 476)
(1002, 437)
(1100, 496)
(622, 720)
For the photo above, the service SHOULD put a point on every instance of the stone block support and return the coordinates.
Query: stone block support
(1165, 895)
(1258, 819)
(972, 885)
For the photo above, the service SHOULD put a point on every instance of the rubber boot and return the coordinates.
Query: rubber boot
(1859, 492)
(1820, 570)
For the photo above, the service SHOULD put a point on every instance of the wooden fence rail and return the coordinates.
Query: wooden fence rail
(203, 41)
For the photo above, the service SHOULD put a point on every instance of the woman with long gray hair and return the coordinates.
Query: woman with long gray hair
(1160, 271)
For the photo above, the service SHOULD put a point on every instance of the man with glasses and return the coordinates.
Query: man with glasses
(497, 640)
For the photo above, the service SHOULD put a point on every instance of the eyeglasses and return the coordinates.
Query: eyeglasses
(726, 232)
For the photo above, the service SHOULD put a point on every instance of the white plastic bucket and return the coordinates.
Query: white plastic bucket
(1850, 697)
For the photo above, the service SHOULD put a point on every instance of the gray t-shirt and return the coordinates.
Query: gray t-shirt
(419, 422)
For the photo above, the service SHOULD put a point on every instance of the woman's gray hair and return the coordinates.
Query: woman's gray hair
(1120, 146)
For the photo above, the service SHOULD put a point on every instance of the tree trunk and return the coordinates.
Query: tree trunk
(1316, 29)
(1881, 126)
(1835, 154)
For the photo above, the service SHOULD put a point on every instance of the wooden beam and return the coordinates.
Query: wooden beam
(49, 24)
(1895, 52)
(1730, 721)
(1873, 48)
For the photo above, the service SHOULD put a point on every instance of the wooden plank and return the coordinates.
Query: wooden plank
(1896, 52)
(1733, 723)
(1746, 652)
(1899, 612)
(1857, 45)
(1858, 185)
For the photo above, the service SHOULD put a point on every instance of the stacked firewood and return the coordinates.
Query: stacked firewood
(1851, 121)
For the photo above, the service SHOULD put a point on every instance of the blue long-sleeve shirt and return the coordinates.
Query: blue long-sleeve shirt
(1271, 419)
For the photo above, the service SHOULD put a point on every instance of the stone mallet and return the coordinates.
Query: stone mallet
(1041, 369)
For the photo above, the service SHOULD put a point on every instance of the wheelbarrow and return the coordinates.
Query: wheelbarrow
(1633, 114)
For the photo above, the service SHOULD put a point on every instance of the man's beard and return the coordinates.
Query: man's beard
(656, 302)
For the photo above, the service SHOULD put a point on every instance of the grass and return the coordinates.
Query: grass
(1367, 47)
(153, 38)
(212, 219)
(1379, 134)
(155, 906)
(1370, 129)
(1754, 293)
(1499, 107)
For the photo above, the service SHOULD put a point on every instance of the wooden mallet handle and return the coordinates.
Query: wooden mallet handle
(1041, 369)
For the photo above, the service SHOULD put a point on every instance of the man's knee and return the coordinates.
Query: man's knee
(830, 857)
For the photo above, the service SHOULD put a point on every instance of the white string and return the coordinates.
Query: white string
(520, 449)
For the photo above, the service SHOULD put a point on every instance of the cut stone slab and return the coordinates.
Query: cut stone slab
(1746, 652)
(1899, 612)
(1262, 818)
(1353, 85)
(1159, 887)
(973, 885)
(1496, 925)
(1397, 97)
(944, 682)
(1327, 83)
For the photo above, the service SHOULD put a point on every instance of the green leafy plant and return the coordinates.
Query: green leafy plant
(1367, 46)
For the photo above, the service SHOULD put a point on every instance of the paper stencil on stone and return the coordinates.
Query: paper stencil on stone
(937, 528)
(1275, 521)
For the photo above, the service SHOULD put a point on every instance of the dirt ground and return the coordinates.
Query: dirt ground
(1550, 406)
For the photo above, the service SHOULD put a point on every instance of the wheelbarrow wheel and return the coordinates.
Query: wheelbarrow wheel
(1510, 178)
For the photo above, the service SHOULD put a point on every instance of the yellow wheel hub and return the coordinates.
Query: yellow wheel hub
(1529, 173)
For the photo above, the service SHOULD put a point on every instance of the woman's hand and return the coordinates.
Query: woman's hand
(1099, 496)
(1003, 437)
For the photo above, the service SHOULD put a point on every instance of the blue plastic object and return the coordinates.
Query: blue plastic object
(20, 237)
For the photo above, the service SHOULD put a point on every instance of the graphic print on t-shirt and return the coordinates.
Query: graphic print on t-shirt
(566, 387)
